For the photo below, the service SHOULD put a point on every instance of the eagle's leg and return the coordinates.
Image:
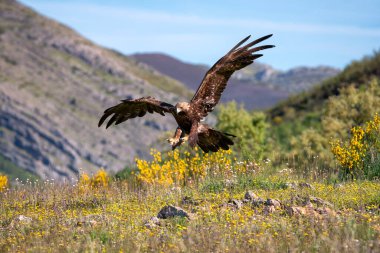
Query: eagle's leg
(177, 139)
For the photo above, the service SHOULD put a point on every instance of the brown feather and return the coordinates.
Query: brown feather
(129, 109)
(214, 82)
(213, 140)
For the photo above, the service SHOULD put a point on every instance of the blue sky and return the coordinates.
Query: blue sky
(305, 32)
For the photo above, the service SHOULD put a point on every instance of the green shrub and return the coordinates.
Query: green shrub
(250, 129)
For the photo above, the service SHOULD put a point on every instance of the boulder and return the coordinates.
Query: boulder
(152, 222)
(269, 209)
(250, 195)
(235, 203)
(273, 202)
(23, 219)
(89, 220)
(325, 211)
(295, 210)
(302, 211)
(258, 202)
(170, 211)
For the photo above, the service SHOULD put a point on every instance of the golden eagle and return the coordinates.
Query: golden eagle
(189, 115)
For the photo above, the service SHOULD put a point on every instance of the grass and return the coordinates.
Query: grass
(76, 217)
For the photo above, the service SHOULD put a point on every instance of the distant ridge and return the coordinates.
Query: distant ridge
(257, 86)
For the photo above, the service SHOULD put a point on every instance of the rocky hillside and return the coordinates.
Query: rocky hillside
(264, 85)
(54, 86)
(293, 81)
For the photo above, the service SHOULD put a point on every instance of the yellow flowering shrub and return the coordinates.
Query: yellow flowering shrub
(3, 182)
(100, 179)
(362, 148)
(180, 168)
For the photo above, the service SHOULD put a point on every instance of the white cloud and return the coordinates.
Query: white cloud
(167, 18)
(123, 13)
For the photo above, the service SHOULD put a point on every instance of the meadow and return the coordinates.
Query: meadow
(303, 177)
(280, 213)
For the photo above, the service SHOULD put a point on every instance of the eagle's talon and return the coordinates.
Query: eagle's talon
(183, 139)
(173, 141)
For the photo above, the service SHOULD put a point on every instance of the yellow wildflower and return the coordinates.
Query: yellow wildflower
(3, 182)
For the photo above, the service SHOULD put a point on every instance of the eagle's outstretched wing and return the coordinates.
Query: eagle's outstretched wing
(129, 109)
(215, 80)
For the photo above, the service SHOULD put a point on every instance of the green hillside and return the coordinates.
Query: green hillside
(357, 74)
(305, 126)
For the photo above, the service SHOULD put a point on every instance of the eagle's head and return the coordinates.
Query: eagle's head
(182, 107)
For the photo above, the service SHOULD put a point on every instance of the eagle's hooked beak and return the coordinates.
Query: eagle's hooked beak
(178, 110)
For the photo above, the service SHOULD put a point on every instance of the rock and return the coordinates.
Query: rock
(250, 195)
(304, 211)
(258, 202)
(297, 200)
(269, 209)
(320, 201)
(23, 219)
(245, 201)
(308, 204)
(152, 222)
(89, 220)
(273, 202)
(170, 211)
(325, 211)
(306, 185)
(235, 203)
(295, 210)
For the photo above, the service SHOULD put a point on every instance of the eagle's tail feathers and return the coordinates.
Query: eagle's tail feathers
(213, 140)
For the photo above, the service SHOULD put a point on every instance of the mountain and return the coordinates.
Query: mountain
(293, 81)
(253, 96)
(55, 85)
(257, 86)
(189, 74)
